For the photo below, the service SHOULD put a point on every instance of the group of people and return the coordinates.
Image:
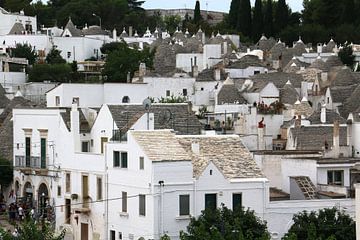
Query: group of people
(20, 211)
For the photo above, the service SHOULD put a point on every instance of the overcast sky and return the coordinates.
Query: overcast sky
(214, 5)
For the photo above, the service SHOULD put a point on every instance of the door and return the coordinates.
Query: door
(103, 141)
(85, 191)
(67, 211)
(84, 231)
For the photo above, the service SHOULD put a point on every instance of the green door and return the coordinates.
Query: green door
(43, 153)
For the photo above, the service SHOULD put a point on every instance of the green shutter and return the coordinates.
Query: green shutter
(43, 153)
(237, 201)
(27, 151)
(124, 160)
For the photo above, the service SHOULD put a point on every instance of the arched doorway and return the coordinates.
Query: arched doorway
(126, 99)
(28, 194)
(43, 198)
(17, 188)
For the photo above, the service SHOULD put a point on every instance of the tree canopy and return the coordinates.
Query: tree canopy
(225, 224)
(24, 51)
(327, 223)
(54, 57)
(123, 60)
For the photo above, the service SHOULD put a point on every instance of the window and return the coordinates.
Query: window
(126, 99)
(168, 93)
(68, 182)
(142, 205)
(184, 92)
(124, 202)
(120, 235)
(256, 72)
(28, 151)
(184, 205)
(68, 54)
(202, 89)
(67, 211)
(116, 160)
(99, 188)
(85, 146)
(236, 201)
(124, 160)
(43, 152)
(112, 235)
(336, 177)
(210, 201)
(59, 191)
(120, 159)
(57, 100)
(328, 100)
(76, 100)
(141, 163)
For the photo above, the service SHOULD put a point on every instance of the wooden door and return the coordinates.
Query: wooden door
(84, 231)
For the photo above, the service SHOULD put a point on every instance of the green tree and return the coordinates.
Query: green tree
(244, 19)
(346, 55)
(6, 173)
(349, 14)
(281, 15)
(233, 13)
(327, 223)
(122, 60)
(29, 230)
(197, 13)
(268, 19)
(24, 51)
(48, 72)
(225, 224)
(54, 57)
(258, 21)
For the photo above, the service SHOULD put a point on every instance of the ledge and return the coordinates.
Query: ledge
(181, 218)
(124, 214)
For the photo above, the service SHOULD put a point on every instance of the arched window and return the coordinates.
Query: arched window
(126, 99)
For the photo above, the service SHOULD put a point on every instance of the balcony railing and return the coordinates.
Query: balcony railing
(28, 162)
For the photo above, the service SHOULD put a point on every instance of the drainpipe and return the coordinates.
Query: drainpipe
(161, 215)
(106, 206)
(194, 211)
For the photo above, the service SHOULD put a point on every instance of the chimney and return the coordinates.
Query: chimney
(336, 141)
(195, 69)
(114, 34)
(75, 126)
(217, 74)
(298, 122)
(142, 71)
(225, 47)
(323, 114)
(130, 31)
(195, 148)
(319, 48)
(304, 89)
(261, 134)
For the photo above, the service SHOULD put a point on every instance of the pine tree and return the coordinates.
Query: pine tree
(234, 13)
(197, 14)
(268, 24)
(258, 21)
(281, 16)
(244, 19)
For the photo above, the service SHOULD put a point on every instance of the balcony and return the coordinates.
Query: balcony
(23, 162)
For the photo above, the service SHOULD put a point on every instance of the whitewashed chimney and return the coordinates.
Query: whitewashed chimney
(336, 139)
(75, 126)
(323, 114)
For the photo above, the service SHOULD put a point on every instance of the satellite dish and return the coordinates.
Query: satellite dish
(147, 104)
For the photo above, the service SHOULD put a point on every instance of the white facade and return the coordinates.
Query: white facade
(9, 19)
(245, 73)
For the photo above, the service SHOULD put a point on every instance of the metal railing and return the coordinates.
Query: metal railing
(28, 162)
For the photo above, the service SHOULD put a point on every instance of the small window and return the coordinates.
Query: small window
(142, 205)
(112, 235)
(68, 54)
(76, 100)
(85, 146)
(116, 159)
(141, 163)
(237, 201)
(124, 202)
(68, 182)
(256, 72)
(124, 160)
(210, 201)
(328, 100)
(202, 89)
(185, 92)
(184, 205)
(210, 172)
(168, 93)
(126, 99)
(336, 177)
(120, 235)
(59, 191)
(99, 188)
(57, 100)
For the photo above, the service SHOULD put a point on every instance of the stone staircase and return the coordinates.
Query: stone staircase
(306, 186)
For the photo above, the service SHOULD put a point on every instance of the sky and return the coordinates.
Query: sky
(213, 5)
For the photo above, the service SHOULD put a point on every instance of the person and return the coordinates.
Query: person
(21, 213)
(32, 213)
(15, 233)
